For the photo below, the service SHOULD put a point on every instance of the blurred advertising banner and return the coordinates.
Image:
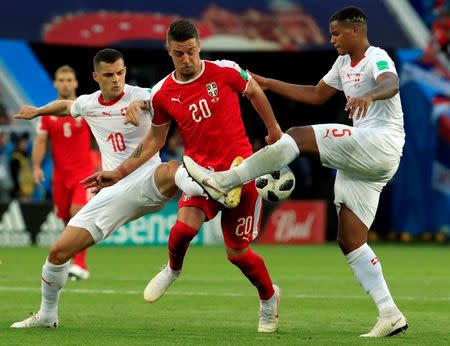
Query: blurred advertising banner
(154, 229)
(26, 223)
(295, 222)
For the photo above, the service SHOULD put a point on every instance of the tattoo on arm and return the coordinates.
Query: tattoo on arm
(137, 152)
(145, 105)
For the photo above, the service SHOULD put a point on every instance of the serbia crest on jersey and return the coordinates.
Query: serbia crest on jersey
(116, 140)
(71, 141)
(207, 112)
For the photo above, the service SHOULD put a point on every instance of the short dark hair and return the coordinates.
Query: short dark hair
(181, 30)
(350, 15)
(108, 55)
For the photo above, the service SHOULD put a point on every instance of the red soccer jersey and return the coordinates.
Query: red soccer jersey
(207, 112)
(71, 141)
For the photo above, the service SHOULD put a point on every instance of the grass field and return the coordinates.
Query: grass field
(212, 302)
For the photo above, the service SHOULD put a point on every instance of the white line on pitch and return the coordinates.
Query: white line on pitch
(216, 294)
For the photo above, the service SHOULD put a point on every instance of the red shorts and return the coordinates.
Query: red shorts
(240, 225)
(67, 193)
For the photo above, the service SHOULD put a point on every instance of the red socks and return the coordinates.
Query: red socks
(179, 239)
(80, 259)
(254, 268)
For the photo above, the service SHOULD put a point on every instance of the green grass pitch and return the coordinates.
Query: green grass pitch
(212, 303)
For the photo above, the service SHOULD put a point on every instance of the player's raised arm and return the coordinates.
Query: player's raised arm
(311, 94)
(57, 108)
(151, 144)
(261, 104)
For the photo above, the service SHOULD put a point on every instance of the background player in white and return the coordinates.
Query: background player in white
(366, 155)
(145, 191)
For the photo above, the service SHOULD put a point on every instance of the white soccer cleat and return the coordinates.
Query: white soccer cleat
(204, 178)
(78, 273)
(160, 283)
(34, 322)
(268, 312)
(387, 326)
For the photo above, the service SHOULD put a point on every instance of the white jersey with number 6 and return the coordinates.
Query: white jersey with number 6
(116, 140)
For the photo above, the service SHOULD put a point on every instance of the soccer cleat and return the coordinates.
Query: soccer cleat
(160, 283)
(233, 197)
(77, 273)
(268, 312)
(204, 178)
(387, 326)
(34, 322)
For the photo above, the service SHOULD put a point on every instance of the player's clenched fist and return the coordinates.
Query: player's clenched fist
(133, 113)
(27, 112)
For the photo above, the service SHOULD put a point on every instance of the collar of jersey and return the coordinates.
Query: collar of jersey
(190, 80)
(113, 101)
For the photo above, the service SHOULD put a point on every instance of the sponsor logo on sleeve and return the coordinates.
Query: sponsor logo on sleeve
(244, 74)
(382, 65)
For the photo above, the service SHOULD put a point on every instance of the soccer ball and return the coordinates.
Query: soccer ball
(276, 186)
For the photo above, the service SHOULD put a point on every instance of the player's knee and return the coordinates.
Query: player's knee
(172, 167)
(58, 255)
(305, 138)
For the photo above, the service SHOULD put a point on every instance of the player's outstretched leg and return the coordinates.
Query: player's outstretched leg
(366, 267)
(268, 312)
(54, 276)
(269, 159)
(253, 267)
(53, 280)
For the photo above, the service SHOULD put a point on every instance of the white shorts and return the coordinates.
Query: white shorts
(132, 197)
(366, 159)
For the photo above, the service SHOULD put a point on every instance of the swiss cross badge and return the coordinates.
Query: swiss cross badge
(212, 90)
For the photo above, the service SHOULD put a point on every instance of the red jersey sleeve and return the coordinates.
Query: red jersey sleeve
(235, 76)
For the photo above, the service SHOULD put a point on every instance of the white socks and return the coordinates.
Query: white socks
(367, 270)
(267, 160)
(186, 184)
(54, 278)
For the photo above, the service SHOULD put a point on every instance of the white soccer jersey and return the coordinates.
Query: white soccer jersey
(357, 80)
(116, 140)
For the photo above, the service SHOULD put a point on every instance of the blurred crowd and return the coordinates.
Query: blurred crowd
(436, 14)
(287, 24)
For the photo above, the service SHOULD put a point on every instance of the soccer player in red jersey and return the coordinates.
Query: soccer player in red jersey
(70, 139)
(202, 97)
